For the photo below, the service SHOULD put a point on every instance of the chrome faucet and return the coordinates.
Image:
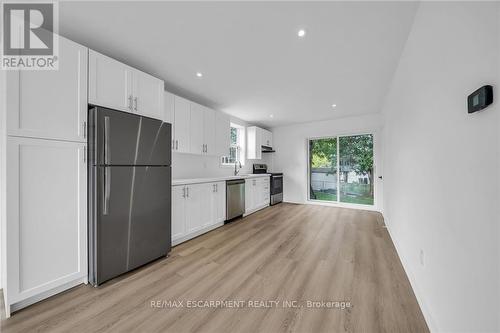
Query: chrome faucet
(237, 167)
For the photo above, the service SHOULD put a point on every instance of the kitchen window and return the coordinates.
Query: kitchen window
(236, 151)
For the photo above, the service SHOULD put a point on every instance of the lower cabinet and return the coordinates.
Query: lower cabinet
(257, 194)
(46, 225)
(196, 209)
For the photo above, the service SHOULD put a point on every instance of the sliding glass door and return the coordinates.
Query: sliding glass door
(341, 169)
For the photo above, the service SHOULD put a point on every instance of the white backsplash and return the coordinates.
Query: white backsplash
(196, 166)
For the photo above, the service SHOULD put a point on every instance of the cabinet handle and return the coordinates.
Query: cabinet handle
(183, 192)
(85, 155)
(176, 145)
(84, 129)
(206, 148)
(130, 102)
(187, 192)
(135, 104)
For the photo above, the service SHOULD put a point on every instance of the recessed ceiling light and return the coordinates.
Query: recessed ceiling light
(301, 33)
(271, 116)
(334, 106)
(198, 74)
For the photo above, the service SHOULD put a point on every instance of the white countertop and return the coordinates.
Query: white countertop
(215, 179)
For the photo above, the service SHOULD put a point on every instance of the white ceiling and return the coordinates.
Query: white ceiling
(252, 61)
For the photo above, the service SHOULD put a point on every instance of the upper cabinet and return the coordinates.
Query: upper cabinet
(50, 104)
(196, 128)
(110, 82)
(256, 138)
(181, 125)
(115, 85)
(147, 92)
(222, 134)
(209, 131)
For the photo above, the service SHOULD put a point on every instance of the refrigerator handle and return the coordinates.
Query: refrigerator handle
(106, 140)
(106, 190)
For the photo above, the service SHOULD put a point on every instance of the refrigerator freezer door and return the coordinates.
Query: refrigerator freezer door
(121, 138)
(132, 224)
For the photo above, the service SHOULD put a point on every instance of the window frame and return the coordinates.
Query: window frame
(338, 203)
(240, 150)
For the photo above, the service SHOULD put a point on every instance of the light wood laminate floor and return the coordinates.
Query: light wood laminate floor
(282, 253)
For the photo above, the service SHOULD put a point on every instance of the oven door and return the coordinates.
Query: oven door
(276, 184)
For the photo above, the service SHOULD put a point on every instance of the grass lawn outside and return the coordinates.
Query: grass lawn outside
(325, 196)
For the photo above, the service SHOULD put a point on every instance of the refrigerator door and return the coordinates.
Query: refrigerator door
(132, 218)
(150, 228)
(122, 138)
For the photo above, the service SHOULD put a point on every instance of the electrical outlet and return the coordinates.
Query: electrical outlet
(422, 258)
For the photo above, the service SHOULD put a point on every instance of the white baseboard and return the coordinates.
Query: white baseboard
(196, 233)
(37, 298)
(411, 277)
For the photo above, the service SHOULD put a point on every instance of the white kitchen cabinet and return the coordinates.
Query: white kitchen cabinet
(196, 139)
(147, 95)
(222, 134)
(257, 194)
(115, 85)
(181, 124)
(46, 226)
(198, 207)
(202, 130)
(110, 82)
(218, 205)
(267, 138)
(168, 113)
(50, 104)
(209, 131)
(168, 108)
(249, 195)
(256, 138)
(178, 212)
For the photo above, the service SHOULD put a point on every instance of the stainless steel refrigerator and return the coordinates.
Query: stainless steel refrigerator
(129, 192)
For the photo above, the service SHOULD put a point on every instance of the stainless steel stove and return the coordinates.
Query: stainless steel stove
(276, 190)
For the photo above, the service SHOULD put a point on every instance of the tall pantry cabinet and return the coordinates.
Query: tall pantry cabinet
(44, 179)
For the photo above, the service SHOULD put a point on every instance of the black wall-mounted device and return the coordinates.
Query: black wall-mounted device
(480, 99)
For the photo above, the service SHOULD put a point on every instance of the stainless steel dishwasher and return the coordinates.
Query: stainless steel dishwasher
(235, 198)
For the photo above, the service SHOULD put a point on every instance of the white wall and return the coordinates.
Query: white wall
(441, 165)
(291, 158)
(197, 166)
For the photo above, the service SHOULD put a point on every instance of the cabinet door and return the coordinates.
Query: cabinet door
(257, 192)
(198, 212)
(265, 191)
(168, 113)
(219, 202)
(47, 216)
(222, 134)
(50, 104)
(196, 129)
(110, 82)
(249, 196)
(254, 138)
(178, 212)
(148, 95)
(267, 138)
(181, 124)
(209, 131)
